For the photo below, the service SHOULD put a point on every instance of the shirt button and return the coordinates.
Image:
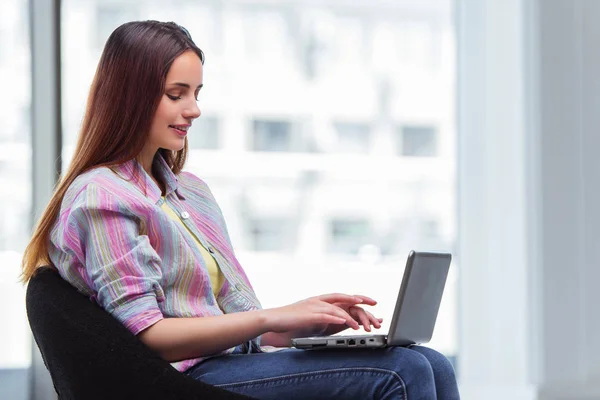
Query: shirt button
(239, 286)
(211, 250)
(185, 215)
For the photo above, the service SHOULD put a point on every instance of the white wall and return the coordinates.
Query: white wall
(569, 104)
(528, 116)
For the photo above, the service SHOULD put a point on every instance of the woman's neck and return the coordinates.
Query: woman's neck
(146, 158)
(160, 185)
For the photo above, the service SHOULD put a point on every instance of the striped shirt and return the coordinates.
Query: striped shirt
(114, 243)
(214, 273)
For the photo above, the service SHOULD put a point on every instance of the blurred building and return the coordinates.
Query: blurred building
(327, 135)
(325, 127)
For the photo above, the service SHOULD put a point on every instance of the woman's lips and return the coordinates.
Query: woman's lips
(180, 132)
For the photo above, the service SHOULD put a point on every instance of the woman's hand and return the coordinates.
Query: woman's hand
(329, 313)
(364, 318)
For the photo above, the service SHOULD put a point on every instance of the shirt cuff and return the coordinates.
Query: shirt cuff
(138, 314)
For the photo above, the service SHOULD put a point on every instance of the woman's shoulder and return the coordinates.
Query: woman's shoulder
(192, 185)
(187, 177)
(190, 181)
(103, 181)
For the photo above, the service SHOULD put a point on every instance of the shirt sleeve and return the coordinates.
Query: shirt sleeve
(121, 265)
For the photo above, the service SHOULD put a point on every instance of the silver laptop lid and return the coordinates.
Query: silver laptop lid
(419, 298)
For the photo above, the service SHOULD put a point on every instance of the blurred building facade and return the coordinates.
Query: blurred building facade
(325, 128)
(327, 133)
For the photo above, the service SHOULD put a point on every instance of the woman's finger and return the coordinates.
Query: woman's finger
(366, 300)
(340, 312)
(325, 318)
(363, 317)
(372, 320)
(340, 298)
(376, 322)
(350, 320)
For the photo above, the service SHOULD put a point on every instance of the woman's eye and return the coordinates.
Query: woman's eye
(173, 97)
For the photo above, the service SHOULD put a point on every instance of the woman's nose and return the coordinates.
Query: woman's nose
(192, 112)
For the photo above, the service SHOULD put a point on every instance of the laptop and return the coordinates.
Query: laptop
(415, 312)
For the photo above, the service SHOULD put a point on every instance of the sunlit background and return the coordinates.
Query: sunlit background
(15, 195)
(327, 136)
(337, 135)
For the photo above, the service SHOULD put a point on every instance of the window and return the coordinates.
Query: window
(15, 195)
(430, 228)
(272, 136)
(414, 232)
(267, 234)
(293, 90)
(204, 134)
(418, 141)
(348, 235)
(352, 137)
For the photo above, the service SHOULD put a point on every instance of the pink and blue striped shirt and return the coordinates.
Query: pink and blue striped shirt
(114, 243)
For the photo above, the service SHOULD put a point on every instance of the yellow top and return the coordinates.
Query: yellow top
(216, 276)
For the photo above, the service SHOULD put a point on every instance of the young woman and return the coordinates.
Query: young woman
(148, 242)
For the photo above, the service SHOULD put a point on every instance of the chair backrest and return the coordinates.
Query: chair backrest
(90, 355)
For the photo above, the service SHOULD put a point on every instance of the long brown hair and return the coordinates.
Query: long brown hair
(124, 95)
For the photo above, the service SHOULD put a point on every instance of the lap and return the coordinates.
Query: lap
(323, 371)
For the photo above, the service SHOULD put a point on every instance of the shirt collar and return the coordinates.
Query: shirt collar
(165, 173)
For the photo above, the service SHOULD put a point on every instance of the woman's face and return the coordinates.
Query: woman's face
(178, 106)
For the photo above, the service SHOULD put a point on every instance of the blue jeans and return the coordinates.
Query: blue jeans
(389, 373)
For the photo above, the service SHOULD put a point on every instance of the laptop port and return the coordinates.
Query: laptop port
(340, 342)
(351, 342)
(362, 341)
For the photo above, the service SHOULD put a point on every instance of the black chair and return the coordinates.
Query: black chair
(90, 355)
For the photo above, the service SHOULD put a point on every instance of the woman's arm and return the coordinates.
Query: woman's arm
(182, 338)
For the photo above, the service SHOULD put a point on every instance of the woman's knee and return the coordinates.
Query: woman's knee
(439, 363)
(444, 376)
(416, 372)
